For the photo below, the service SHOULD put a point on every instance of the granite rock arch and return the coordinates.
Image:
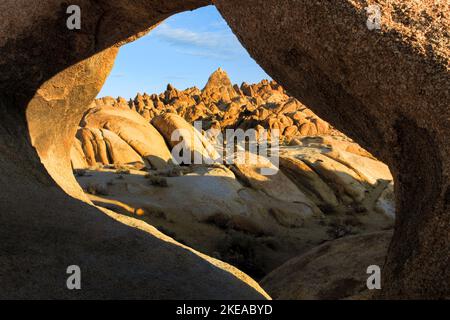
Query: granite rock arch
(387, 89)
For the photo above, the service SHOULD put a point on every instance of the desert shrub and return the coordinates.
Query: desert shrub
(218, 219)
(239, 250)
(175, 171)
(122, 170)
(339, 230)
(157, 181)
(238, 223)
(352, 221)
(79, 172)
(97, 189)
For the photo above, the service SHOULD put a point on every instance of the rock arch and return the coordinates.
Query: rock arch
(387, 89)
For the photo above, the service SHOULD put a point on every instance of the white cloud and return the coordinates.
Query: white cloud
(215, 44)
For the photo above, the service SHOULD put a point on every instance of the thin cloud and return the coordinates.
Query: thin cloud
(217, 44)
(208, 54)
(118, 75)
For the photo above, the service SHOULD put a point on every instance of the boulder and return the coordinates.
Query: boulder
(219, 87)
(261, 174)
(344, 180)
(93, 146)
(134, 130)
(308, 181)
(119, 151)
(333, 270)
(77, 157)
(183, 136)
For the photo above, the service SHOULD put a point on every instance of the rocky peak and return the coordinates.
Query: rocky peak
(217, 79)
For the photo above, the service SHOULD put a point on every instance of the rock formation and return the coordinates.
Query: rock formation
(189, 138)
(327, 186)
(103, 126)
(334, 270)
(221, 105)
(386, 89)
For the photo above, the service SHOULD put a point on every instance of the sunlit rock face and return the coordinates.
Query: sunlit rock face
(386, 89)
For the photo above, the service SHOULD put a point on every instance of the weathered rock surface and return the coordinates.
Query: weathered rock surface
(130, 128)
(180, 134)
(275, 185)
(219, 87)
(333, 270)
(120, 152)
(77, 156)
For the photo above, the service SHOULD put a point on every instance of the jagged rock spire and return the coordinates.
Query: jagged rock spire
(218, 78)
(219, 86)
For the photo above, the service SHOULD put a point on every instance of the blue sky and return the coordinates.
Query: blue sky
(184, 50)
